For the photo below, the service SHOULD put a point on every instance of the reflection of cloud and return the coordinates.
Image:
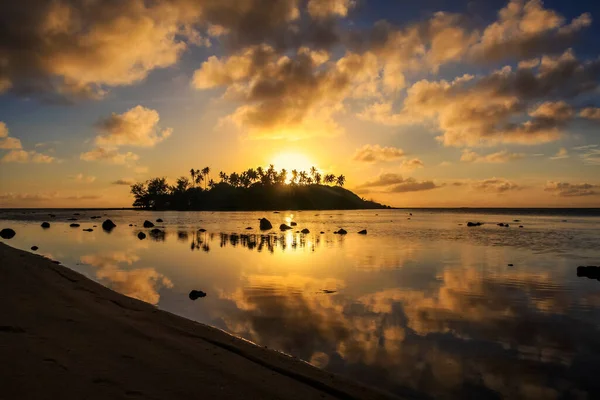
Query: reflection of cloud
(141, 283)
(505, 322)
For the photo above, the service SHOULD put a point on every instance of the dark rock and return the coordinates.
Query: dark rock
(510, 265)
(275, 212)
(132, 225)
(341, 231)
(265, 224)
(329, 291)
(141, 236)
(516, 220)
(322, 232)
(248, 228)
(34, 248)
(45, 225)
(74, 225)
(94, 226)
(148, 224)
(363, 232)
(305, 230)
(284, 227)
(108, 225)
(474, 223)
(201, 230)
(591, 272)
(520, 226)
(156, 231)
(297, 231)
(88, 230)
(159, 220)
(293, 223)
(194, 294)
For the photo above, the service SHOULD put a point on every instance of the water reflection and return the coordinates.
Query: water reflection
(140, 283)
(476, 335)
(431, 310)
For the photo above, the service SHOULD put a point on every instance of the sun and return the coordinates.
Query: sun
(291, 161)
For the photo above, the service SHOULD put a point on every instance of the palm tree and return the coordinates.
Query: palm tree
(205, 173)
(282, 176)
(340, 180)
(199, 177)
(313, 171)
(223, 176)
(260, 173)
(303, 177)
(211, 184)
(318, 178)
(329, 178)
(193, 175)
(252, 174)
(309, 180)
(294, 176)
(234, 179)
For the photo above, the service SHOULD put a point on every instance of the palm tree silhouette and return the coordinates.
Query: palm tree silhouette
(341, 180)
(329, 178)
(294, 177)
(193, 175)
(313, 172)
(318, 178)
(205, 173)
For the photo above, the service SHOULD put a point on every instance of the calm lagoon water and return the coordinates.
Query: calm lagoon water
(424, 306)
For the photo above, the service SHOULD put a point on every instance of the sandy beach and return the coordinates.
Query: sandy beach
(64, 336)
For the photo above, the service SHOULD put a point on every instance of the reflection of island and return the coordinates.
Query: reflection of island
(502, 336)
(139, 283)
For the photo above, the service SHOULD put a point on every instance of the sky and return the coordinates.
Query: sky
(419, 104)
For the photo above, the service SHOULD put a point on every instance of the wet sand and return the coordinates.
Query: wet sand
(64, 336)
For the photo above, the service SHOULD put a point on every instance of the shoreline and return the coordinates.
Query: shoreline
(69, 337)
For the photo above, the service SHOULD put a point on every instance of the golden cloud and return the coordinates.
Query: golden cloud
(496, 158)
(135, 127)
(373, 153)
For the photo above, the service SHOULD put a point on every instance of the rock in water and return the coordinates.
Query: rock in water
(159, 220)
(108, 225)
(148, 224)
(474, 223)
(293, 223)
(248, 227)
(265, 224)
(141, 236)
(34, 248)
(201, 230)
(284, 227)
(305, 230)
(88, 230)
(363, 232)
(74, 225)
(341, 231)
(45, 225)
(591, 272)
(194, 294)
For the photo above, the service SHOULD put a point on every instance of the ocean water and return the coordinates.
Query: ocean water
(421, 306)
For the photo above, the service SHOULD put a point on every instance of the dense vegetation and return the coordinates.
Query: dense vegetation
(253, 189)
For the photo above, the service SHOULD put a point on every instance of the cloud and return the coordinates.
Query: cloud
(135, 127)
(373, 153)
(111, 156)
(289, 96)
(590, 113)
(84, 197)
(41, 197)
(395, 183)
(494, 158)
(124, 182)
(328, 8)
(525, 29)
(495, 185)
(476, 111)
(566, 189)
(24, 157)
(76, 49)
(16, 153)
(83, 178)
(561, 154)
(412, 185)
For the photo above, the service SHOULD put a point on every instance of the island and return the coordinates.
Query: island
(252, 190)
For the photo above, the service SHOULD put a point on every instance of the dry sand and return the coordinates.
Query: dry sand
(64, 336)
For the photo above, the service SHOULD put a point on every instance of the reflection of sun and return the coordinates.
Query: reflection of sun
(291, 161)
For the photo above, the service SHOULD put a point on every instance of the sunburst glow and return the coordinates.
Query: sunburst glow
(291, 161)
